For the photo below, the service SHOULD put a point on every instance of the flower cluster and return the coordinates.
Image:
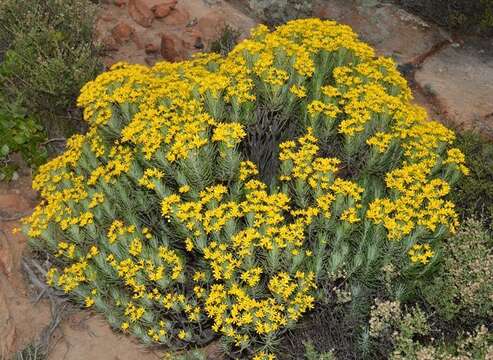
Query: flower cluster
(158, 218)
(420, 253)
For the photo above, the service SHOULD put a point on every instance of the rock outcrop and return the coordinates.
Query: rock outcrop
(146, 31)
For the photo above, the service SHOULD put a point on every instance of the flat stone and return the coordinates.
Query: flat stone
(391, 30)
(461, 79)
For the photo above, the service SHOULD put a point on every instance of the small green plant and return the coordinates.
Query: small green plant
(32, 351)
(411, 335)
(226, 41)
(20, 134)
(312, 354)
(187, 355)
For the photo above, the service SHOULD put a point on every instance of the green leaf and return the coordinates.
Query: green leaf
(19, 139)
(4, 151)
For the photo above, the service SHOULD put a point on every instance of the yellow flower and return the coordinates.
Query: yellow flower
(135, 247)
(350, 216)
(88, 301)
(247, 169)
(421, 253)
(167, 203)
(188, 244)
(252, 276)
(229, 134)
(298, 91)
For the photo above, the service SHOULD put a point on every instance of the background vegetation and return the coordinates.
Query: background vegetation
(472, 16)
(46, 55)
(474, 194)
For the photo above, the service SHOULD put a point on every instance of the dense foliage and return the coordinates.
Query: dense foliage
(464, 289)
(404, 329)
(43, 38)
(21, 134)
(224, 195)
(46, 55)
(473, 196)
(464, 15)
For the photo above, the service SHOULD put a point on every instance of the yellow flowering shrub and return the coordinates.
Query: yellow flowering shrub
(162, 216)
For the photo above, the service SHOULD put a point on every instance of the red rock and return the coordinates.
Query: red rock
(151, 48)
(170, 48)
(164, 9)
(108, 62)
(109, 43)
(177, 17)
(120, 3)
(140, 13)
(211, 25)
(122, 31)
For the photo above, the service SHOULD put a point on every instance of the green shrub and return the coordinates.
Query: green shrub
(412, 337)
(476, 344)
(473, 197)
(464, 285)
(47, 55)
(224, 195)
(20, 134)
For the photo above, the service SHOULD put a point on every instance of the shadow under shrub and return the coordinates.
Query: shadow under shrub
(329, 328)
